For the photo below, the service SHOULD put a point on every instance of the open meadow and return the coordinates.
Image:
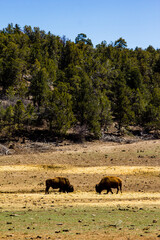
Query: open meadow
(27, 213)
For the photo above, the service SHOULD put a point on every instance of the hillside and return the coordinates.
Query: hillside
(51, 85)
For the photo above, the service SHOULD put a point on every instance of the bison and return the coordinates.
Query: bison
(59, 182)
(108, 183)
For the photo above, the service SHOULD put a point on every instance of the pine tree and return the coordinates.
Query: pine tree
(39, 85)
(58, 111)
(19, 115)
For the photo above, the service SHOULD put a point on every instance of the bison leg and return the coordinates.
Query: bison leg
(62, 190)
(107, 191)
(47, 190)
(121, 187)
(117, 190)
(110, 190)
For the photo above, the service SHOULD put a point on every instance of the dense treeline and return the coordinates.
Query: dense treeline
(62, 84)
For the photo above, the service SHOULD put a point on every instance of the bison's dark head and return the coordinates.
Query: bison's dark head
(70, 188)
(98, 190)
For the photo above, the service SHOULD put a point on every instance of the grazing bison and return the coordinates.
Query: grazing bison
(108, 183)
(59, 182)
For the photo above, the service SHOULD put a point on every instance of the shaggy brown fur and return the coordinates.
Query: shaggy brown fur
(59, 182)
(107, 183)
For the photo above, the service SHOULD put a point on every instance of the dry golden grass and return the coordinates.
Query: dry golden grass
(138, 165)
(39, 201)
(65, 169)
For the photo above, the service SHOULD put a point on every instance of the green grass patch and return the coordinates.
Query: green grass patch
(71, 221)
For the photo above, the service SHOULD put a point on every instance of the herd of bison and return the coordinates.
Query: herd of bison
(106, 183)
(87, 167)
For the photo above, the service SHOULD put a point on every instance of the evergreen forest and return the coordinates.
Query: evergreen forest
(51, 84)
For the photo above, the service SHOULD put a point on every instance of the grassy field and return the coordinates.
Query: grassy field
(82, 222)
(27, 213)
